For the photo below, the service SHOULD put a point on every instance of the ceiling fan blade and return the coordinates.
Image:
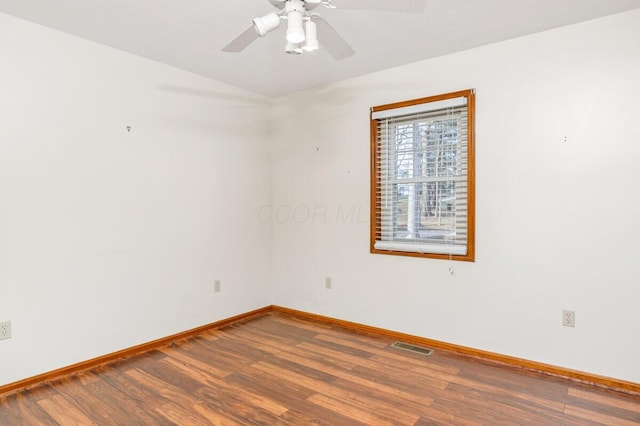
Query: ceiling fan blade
(384, 5)
(242, 41)
(331, 40)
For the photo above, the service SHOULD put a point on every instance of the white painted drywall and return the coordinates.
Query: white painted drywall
(556, 220)
(110, 238)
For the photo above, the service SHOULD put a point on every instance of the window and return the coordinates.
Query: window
(422, 177)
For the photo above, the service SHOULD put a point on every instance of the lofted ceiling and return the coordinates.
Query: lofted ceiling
(189, 34)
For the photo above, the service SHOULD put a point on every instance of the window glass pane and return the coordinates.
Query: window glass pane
(404, 151)
(425, 211)
(439, 138)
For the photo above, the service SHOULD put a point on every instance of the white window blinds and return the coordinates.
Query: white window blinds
(421, 174)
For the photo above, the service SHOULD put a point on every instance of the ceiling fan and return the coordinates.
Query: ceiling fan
(307, 30)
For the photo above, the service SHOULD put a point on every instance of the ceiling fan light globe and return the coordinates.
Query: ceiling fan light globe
(266, 24)
(295, 28)
(295, 36)
(311, 36)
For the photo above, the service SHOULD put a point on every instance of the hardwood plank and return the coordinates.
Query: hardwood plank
(213, 416)
(174, 413)
(499, 392)
(275, 350)
(347, 337)
(363, 379)
(248, 396)
(313, 414)
(372, 368)
(300, 366)
(104, 410)
(499, 377)
(321, 328)
(348, 410)
(335, 390)
(428, 369)
(330, 390)
(128, 402)
(22, 409)
(402, 380)
(497, 407)
(593, 415)
(64, 411)
(266, 383)
(411, 406)
(620, 401)
(284, 329)
(163, 391)
(139, 402)
(194, 362)
(385, 405)
(88, 377)
(235, 407)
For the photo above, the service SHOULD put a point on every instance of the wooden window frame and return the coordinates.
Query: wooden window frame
(376, 211)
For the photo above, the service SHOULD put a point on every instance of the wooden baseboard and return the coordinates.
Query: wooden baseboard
(505, 360)
(126, 353)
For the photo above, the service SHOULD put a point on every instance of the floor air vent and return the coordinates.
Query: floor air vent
(412, 348)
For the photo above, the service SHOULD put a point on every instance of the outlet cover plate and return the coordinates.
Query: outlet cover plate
(328, 283)
(568, 318)
(5, 330)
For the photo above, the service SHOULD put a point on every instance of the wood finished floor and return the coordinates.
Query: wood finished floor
(281, 370)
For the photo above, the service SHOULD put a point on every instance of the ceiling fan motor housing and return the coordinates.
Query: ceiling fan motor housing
(308, 4)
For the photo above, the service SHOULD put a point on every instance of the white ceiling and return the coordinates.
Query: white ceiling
(189, 34)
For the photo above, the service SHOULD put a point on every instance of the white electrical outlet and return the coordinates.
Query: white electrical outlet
(328, 284)
(217, 286)
(5, 330)
(568, 318)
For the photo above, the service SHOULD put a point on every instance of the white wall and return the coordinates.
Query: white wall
(556, 219)
(110, 238)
